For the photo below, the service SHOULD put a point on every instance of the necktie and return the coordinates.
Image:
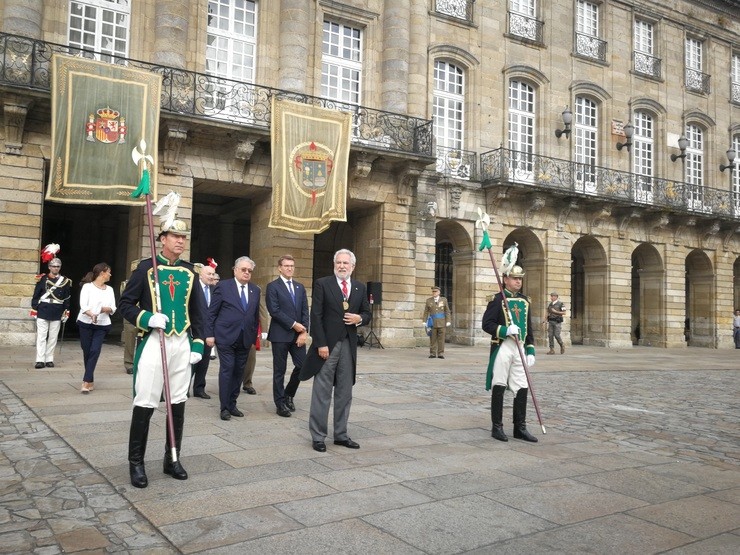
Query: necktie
(244, 299)
(290, 288)
(345, 292)
(207, 293)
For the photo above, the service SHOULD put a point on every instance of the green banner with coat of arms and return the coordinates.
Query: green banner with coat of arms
(310, 157)
(100, 112)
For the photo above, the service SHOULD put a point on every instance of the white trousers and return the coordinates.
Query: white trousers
(47, 332)
(149, 378)
(507, 368)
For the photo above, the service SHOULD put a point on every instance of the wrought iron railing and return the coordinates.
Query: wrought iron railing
(26, 63)
(461, 9)
(454, 162)
(697, 81)
(647, 64)
(590, 47)
(504, 166)
(525, 27)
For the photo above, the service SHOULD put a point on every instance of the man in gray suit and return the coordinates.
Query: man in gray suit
(339, 306)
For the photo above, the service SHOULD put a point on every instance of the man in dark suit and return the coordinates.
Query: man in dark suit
(288, 306)
(205, 287)
(232, 326)
(339, 306)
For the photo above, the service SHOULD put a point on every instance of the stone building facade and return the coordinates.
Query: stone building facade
(456, 104)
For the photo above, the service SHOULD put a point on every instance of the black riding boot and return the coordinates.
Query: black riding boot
(175, 469)
(520, 416)
(497, 410)
(137, 445)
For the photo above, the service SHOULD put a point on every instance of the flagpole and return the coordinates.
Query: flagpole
(142, 160)
(487, 244)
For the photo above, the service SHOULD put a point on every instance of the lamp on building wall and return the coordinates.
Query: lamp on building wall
(629, 130)
(731, 157)
(567, 120)
(683, 142)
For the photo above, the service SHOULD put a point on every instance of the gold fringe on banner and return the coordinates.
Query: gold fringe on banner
(310, 157)
(99, 112)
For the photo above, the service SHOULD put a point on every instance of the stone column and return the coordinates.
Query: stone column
(23, 17)
(171, 40)
(418, 60)
(295, 22)
(395, 65)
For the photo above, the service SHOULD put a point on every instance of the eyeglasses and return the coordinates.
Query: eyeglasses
(249, 270)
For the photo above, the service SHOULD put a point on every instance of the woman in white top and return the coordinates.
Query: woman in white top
(97, 303)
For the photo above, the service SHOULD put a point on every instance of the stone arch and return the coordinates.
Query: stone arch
(532, 260)
(586, 88)
(700, 300)
(461, 285)
(648, 302)
(589, 292)
(648, 105)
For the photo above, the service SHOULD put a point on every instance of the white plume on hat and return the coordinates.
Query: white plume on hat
(509, 258)
(170, 201)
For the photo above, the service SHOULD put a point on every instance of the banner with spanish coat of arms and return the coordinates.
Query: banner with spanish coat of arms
(100, 112)
(310, 156)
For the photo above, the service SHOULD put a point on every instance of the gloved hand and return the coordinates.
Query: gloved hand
(530, 361)
(424, 323)
(263, 336)
(65, 316)
(158, 320)
(449, 324)
(195, 358)
(513, 329)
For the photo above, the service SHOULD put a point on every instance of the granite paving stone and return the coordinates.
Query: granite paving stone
(650, 472)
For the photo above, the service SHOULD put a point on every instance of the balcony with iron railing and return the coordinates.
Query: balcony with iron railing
(459, 9)
(25, 64)
(525, 27)
(533, 172)
(696, 81)
(587, 46)
(645, 64)
(735, 92)
(457, 163)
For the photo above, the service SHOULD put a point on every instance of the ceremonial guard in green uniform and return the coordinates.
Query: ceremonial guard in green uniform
(181, 319)
(505, 369)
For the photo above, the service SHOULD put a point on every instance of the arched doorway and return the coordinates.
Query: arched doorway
(590, 293)
(700, 293)
(454, 273)
(648, 303)
(532, 260)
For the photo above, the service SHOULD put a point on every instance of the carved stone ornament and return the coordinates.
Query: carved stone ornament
(362, 164)
(599, 215)
(455, 196)
(406, 176)
(625, 220)
(565, 212)
(15, 122)
(538, 203)
(685, 224)
(175, 136)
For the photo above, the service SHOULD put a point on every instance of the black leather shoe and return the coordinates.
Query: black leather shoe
(319, 446)
(347, 443)
(520, 432)
(250, 390)
(39, 365)
(432, 356)
(283, 411)
(225, 415)
(202, 395)
(129, 371)
(212, 357)
(440, 356)
(236, 412)
(50, 365)
(289, 404)
(497, 432)
(138, 475)
(175, 470)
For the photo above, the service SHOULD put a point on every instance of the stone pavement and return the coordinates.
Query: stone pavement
(641, 456)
